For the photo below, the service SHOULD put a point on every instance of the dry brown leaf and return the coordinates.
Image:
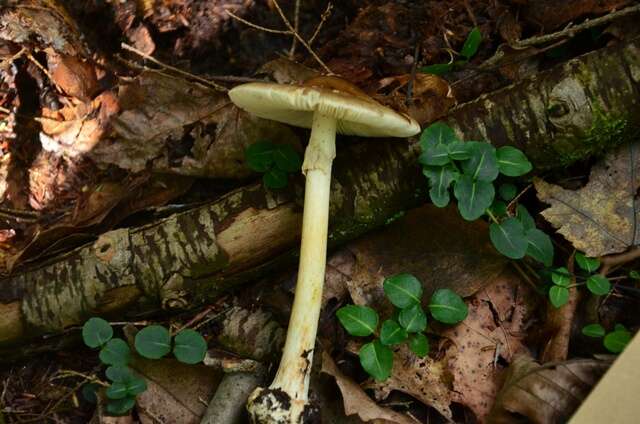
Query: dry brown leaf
(174, 391)
(546, 394)
(435, 245)
(425, 379)
(74, 76)
(602, 217)
(493, 330)
(356, 400)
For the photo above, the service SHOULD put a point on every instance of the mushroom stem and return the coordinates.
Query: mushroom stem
(292, 376)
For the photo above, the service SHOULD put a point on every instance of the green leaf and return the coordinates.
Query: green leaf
(634, 275)
(391, 333)
(275, 179)
(90, 392)
(482, 165)
(153, 342)
(437, 133)
(120, 406)
(403, 290)
(117, 391)
(115, 352)
(558, 296)
(136, 386)
(448, 307)
(620, 327)
(119, 373)
(437, 68)
(413, 319)
(459, 150)
(593, 330)
(286, 158)
(561, 277)
(507, 191)
(434, 155)
(474, 197)
(509, 238)
(512, 162)
(96, 332)
(189, 347)
(259, 156)
(588, 264)
(419, 344)
(472, 43)
(598, 284)
(498, 208)
(525, 217)
(359, 321)
(617, 340)
(377, 360)
(540, 246)
(440, 178)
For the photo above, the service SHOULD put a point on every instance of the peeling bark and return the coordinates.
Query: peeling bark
(569, 112)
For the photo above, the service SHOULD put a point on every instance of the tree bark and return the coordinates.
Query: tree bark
(567, 113)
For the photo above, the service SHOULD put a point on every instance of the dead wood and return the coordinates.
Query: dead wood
(567, 113)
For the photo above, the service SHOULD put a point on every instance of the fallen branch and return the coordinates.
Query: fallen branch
(559, 116)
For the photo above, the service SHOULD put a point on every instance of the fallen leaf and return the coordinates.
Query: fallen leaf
(550, 14)
(436, 245)
(356, 401)
(74, 76)
(545, 394)
(174, 391)
(600, 218)
(492, 333)
(431, 96)
(425, 379)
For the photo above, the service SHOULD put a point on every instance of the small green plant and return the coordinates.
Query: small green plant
(152, 342)
(407, 324)
(469, 49)
(615, 341)
(275, 161)
(561, 280)
(471, 169)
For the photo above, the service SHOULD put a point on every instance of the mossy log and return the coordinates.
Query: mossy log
(574, 110)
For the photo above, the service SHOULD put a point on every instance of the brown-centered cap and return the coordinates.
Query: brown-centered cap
(355, 112)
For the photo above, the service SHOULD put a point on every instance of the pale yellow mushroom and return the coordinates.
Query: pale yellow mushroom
(326, 105)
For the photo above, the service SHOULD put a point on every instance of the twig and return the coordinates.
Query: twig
(171, 68)
(609, 262)
(302, 41)
(572, 30)
(296, 28)
(325, 15)
(258, 27)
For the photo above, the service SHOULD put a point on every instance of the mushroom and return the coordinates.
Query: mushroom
(326, 105)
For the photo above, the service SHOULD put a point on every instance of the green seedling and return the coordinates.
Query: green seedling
(274, 161)
(471, 168)
(152, 342)
(615, 341)
(407, 324)
(561, 280)
(469, 49)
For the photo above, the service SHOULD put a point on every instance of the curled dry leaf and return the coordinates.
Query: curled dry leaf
(601, 218)
(356, 401)
(493, 331)
(436, 245)
(74, 76)
(46, 21)
(165, 124)
(546, 394)
(431, 96)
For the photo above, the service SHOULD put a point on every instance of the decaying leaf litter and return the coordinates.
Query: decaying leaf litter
(114, 125)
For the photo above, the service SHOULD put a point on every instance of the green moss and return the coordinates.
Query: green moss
(607, 131)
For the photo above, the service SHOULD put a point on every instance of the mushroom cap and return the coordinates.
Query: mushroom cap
(355, 112)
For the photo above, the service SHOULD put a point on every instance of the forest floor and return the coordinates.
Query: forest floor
(114, 114)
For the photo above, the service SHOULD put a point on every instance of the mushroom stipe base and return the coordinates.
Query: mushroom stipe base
(274, 406)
